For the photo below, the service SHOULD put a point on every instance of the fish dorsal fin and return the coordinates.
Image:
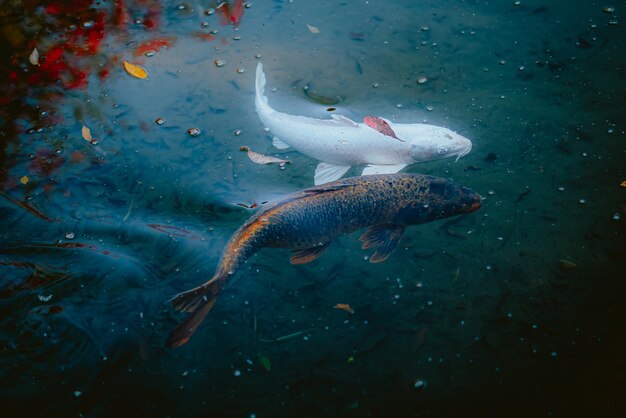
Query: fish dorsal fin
(344, 120)
(279, 143)
(380, 125)
(327, 172)
(383, 169)
(308, 254)
(383, 237)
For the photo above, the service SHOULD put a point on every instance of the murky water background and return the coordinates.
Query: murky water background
(515, 310)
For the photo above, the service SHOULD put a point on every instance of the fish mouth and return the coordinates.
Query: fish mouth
(476, 204)
(466, 150)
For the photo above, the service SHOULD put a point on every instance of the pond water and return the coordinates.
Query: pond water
(110, 206)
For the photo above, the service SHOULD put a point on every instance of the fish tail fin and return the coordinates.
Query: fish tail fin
(260, 85)
(197, 302)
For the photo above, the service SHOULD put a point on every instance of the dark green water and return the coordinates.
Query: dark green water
(514, 310)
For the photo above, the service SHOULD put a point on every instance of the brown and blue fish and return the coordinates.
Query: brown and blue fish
(307, 222)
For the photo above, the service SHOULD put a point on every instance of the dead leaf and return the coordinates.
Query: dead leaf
(623, 184)
(313, 29)
(344, 307)
(24, 179)
(135, 70)
(263, 159)
(86, 132)
(34, 57)
(567, 265)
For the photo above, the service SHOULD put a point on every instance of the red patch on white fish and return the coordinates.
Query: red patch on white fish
(380, 125)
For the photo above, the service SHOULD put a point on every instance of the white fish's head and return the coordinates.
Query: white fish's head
(434, 142)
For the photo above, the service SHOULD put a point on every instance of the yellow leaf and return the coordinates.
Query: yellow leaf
(34, 57)
(86, 132)
(24, 179)
(313, 29)
(135, 70)
(344, 307)
(623, 183)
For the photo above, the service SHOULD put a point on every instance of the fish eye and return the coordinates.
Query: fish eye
(442, 151)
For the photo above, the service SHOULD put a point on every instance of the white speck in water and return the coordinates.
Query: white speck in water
(608, 9)
(45, 298)
(69, 235)
(375, 85)
(553, 354)
(430, 108)
(237, 132)
(616, 216)
(77, 393)
(422, 80)
(209, 12)
(237, 373)
(219, 63)
(424, 28)
(561, 188)
(241, 70)
(159, 121)
(419, 384)
(582, 201)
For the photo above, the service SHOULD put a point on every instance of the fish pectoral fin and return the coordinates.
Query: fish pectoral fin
(382, 169)
(326, 172)
(309, 254)
(344, 120)
(383, 237)
(279, 143)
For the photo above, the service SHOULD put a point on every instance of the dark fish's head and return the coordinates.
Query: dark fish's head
(443, 198)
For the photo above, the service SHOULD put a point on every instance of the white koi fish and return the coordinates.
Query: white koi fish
(339, 143)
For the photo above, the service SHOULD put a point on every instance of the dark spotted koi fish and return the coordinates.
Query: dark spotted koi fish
(307, 222)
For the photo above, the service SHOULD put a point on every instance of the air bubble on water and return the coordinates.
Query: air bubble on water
(422, 80)
(69, 235)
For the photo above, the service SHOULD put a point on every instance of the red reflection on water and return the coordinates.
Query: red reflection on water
(231, 14)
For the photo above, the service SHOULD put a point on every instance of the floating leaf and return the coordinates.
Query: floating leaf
(567, 265)
(265, 362)
(86, 132)
(623, 184)
(313, 29)
(135, 70)
(24, 179)
(263, 159)
(344, 307)
(34, 57)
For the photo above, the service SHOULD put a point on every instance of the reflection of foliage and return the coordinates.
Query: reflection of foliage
(69, 37)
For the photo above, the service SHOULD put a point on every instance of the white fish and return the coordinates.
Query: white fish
(340, 143)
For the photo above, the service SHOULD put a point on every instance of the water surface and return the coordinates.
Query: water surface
(515, 310)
